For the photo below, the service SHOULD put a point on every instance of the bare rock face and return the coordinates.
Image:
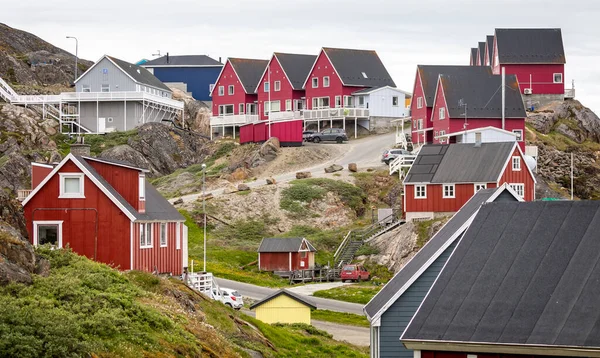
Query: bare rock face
(196, 113)
(396, 247)
(569, 118)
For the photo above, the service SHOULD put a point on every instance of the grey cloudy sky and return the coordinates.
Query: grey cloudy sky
(404, 33)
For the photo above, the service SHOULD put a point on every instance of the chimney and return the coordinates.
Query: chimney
(79, 148)
(222, 62)
(167, 57)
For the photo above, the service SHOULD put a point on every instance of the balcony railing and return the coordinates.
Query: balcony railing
(234, 119)
(569, 92)
(283, 116)
(335, 113)
(97, 96)
(23, 194)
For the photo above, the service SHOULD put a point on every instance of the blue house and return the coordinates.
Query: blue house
(391, 310)
(196, 73)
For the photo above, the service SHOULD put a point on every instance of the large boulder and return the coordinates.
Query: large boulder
(333, 168)
(196, 113)
(303, 175)
(270, 149)
(243, 187)
(353, 167)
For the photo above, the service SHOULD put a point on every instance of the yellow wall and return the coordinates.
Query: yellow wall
(407, 101)
(283, 309)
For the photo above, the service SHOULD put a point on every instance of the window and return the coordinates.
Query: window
(338, 101)
(230, 89)
(315, 82)
(558, 78)
(142, 186)
(288, 104)
(477, 137)
(516, 163)
(241, 108)
(395, 101)
(71, 185)
(211, 87)
(442, 113)
(478, 187)
(420, 191)
(225, 109)
(348, 102)
(364, 75)
(326, 81)
(420, 102)
(47, 232)
(320, 102)
(519, 189)
(221, 90)
(105, 88)
(145, 235)
(86, 88)
(519, 134)
(277, 86)
(163, 235)
(361, 101)
(448, 191)
(273, 106)
(267, 87)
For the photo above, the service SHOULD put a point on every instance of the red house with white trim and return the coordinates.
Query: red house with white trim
(444, 177)
(107, 211)
(276, 254)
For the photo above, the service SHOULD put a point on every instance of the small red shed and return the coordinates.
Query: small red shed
(286, 254)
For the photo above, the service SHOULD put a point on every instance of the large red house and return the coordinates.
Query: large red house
(473, 99)
(107, 211)
(275, 254)
(444, 177)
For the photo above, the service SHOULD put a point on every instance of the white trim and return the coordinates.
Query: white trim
(508, 161)
(554, 78)
(160, 233)
(516, 163)
(275, 89)
(328, 83)
(290, 260)
(178, 236)
(417, 354)
(48, 223)
(425, 191)
(48, 166)
(210, 93)
(265, 72)
(419, 102)
(219, 88)
(517, 136)
(376, 89)
(312, 82)
(147, 235)
(76, 175)
(444, 191)
(478, 130)
(442, 113)
(332, 65)
(131, 238)
(475, 185)
(521, 185)
(146, 66)
(230, 90)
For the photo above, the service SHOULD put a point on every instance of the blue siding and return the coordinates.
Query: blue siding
(198, 79)
(397, 317)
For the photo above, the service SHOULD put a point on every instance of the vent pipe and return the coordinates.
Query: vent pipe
(167, 57)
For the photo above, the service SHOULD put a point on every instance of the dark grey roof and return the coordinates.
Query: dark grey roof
(430, 74)
(350, 65)
(249, 72)
(530, 46)
(139, 74)
(460, 163)
(482, 92)
(185, 60)
(473, 56)
(296, 67)
(290, 294)
(283, 245)
(523, 274)
(366, 90)
(481, 52)
(444, 237)
(490, 47)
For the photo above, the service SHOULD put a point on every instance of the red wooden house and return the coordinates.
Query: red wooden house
(276, 254)
(424, 91)
(444, 177)
(107, 211)
(474, 100)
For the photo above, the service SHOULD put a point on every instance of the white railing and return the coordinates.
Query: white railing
(282, 116)
(569, 92)
(237, 119)
(204, 283)
(116, 96)
(36, 99)
(23, 194)
(403, 161)
(335, 113)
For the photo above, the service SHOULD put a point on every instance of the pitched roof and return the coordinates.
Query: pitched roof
(296, 67)
(283, 244)
(290, 294)
(530, 46)
(524, 275)
(460, 163)
(375, 89)
(249, 71)
(490, 47)
(451, 231)
(430, 74)
(184, 61)
(483, 95)
(474, 56)
(481, 52)
(120, 163)
(139, 74)
(359, 67)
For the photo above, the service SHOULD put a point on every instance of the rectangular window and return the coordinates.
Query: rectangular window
(71, 185)
(145, 235)
(241, 108)
(442, 113)
(420, 191)
(225, 109)
(163, 235)
(516, 163)
(267, 87)
(361, 101)
(519, 189)
(230, 90)
(395, 101)
(478, 187)
(419, 123)
(221, 90)
(477, 137)
(348, 102)
(288, 104)
(519, 134)
(448, 191)
(558, 78)
(105, 88)
(277, 85)
(149, 234)
(86, 88)
(326, 81)
(315, 82)
(142, 235)
(338, 101)
(142, 186)
(420, 102)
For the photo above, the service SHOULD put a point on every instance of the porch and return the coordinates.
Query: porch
(232, 120)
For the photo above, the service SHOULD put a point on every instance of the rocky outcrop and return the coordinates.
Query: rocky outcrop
(396, 247)
(353, 167)
(569, 118)
(303, 175)
(196, 113)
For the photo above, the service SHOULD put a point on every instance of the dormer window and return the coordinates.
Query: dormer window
(71, 185)
(142, 187)
(364, 75)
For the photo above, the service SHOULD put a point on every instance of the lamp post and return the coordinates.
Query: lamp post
(76, 54)
(204, 209)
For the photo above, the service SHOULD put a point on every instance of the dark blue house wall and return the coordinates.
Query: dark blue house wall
(397, 317)
(198, 79)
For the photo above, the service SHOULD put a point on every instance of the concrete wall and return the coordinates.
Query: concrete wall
(539, 100)
(89, 113)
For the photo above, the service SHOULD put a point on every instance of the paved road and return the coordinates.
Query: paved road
(258, 293)
(311, 288)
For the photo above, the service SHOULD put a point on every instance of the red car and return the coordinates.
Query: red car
(354, 273)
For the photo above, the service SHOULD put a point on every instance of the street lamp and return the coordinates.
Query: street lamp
(76, 54)
(204, 209)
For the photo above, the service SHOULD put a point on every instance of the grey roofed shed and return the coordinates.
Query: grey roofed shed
(284, 245)
(530, 46)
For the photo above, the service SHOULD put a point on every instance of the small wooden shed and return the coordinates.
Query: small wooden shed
(283, 306)
(278, 254)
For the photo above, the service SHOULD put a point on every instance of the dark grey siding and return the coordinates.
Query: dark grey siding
(397, 317)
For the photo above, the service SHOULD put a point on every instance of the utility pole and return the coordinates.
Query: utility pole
(204, 210)
(76, 54)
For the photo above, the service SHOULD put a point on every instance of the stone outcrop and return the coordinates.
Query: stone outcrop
(333, 168)
(569, 118)
(396, 247)
(243, 187)
(196, 113)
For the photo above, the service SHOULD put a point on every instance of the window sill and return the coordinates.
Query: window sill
(146, 247)
(421, 197)
(448, 197)
(68, 196)
(165, 245)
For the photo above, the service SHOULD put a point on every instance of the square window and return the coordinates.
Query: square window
(86, 88)
(315, 82)
(448, 191)
(221, 90)
(288, 104)
(420, 191)
(442, 113)
(420, 102)
(277, 86)
(266, 87)
(519, 134)
(71, 185)
(478, 187)
(326, 81)
(105, 88)
(558, 78)
(361, 101)
(519, 189)
(516, 163)
(163, 234)
(348, 101)
(395, 101)
(230, 89)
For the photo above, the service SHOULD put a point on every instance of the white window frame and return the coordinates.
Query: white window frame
(142, 187)
(277, 86)
(178, 236)
(348, 101)
(338, 101)
(442, 113)
(519, 133)
(164, 232)
(288, 104)
(419, 102)
(449, 191)
(516, 163)
(222, 111)
(422, 195)
(326, 81)
(315, 82)
(518, 187)
(221, 90)
(479, 186)
(397, 99)
(47, 223)
(63, 194)
(361, 99)
(211, 87)
(231, 90)
(105, 87)
(86, 88)
(266, 86)
(146, 230)
(554, 77)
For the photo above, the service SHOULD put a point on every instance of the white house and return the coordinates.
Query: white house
(481, 135)
(386, 101)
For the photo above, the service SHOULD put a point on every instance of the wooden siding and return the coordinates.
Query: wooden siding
(247, 134)
(423, 113)
(38, 174)
(260, 132)
(289, 133)
(435, 201)
(228, 77)
(105, 72)
(399, 314)
(379, 103)
(274, 261)
(456, 124)
(167, 259)
(542, 77)
(286, 91)
(124, 180)
(283, 309)
(521, 176)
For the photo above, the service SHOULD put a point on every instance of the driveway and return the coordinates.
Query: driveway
(311, 288)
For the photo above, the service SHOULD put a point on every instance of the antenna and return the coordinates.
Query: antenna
(462, 103)
(156, 54)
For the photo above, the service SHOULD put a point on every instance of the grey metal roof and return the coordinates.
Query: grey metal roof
(474, 55)
(430, 74)
(296, 67)
(490, 47)
(184, 61)
(460, 163)
(351, 64)
(481, 52)
(249, 71)
(139, 74)
(283, 245)
(523, 274)
(290, 294)
(482, 92)
(444, 237)
(530, 46)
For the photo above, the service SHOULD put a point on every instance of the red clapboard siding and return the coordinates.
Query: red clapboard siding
(260, 132)
(274, 261)
(286, 91)
(38, 174)
(521, 176)
(165, 259)
(124, 180)
(542, 77)
(247, 134)
(289, 133)
(228, 77)
(423, 113)
(435, 201)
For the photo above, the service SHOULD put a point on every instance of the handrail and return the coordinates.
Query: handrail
(342, 245)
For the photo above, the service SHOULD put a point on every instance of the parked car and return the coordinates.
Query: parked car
(354, 273)
(306, 135)
(331, 134)
(391, 154)
(232, 298)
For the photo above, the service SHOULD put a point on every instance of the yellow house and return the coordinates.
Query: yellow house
(283, 307)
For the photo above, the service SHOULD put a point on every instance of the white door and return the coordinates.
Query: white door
(185, 246)
(101, 125)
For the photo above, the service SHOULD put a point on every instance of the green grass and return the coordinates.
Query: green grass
(423, 228)
(350, 293)
(100, 143)
(340, 317)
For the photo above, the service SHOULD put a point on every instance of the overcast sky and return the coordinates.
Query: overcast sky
(404, 33)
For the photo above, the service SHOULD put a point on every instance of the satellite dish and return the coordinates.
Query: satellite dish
(530, 161)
